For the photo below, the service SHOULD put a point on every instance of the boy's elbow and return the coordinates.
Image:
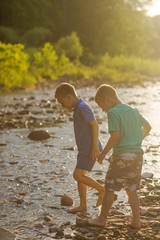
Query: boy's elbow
(149, 127)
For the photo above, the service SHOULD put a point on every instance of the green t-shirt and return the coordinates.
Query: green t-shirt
(129, 122)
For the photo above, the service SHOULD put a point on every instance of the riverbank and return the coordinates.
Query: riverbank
(34, 174)
(31, 68)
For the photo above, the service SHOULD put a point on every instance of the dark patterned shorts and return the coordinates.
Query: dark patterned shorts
(124, 172)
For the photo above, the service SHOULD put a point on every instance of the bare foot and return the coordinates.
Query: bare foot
(100, 198)
(134, 225)
(96, 222)
(76, 209)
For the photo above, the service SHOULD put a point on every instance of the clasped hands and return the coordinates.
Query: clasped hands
(99, 156)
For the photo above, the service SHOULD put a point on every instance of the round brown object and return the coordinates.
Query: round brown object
(66, 200)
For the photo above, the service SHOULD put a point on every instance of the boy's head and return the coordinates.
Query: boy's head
(66, 95)
(106, 97)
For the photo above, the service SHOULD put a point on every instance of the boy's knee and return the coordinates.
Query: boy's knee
(77, 175)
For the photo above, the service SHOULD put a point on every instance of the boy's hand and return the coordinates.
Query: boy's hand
(101, 157)
(110, 159)
(94, 154)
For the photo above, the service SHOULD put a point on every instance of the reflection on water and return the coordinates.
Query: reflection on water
(34, 174)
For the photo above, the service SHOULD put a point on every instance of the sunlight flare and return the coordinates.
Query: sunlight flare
(154, 9)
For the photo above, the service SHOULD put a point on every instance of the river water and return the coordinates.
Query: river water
(34, 174)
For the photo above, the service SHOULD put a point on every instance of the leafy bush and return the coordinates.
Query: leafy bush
(8, 35)
(14, 66)
(37, 36)
(89, 59)
(70, 46)
(48, 65)
(131, 65)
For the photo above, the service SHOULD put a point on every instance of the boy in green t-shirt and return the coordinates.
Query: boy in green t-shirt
(127, 128)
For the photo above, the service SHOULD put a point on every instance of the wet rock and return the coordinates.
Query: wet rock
(66, 200)
(143, 212)
(47, 218)
(157, 185)
(81, 222)
(52, 230)
(118, 212)
(150, 187)
(66, 223)
(101, 237)
(152, 197)
(100, 181)
(132, 103)
(157, 236)
(144, 191)
(39, 225)
(68, 233)
(157, 209)
(69, 148)
(3, 144)
(71, 119)
(5, 234)
(103, 132)
(153, 214)
(147, 175)
(91, 99)
(38, 135)
(82, 214)
(80, 236)
(100, 120)
(59, 231)
(84, 230)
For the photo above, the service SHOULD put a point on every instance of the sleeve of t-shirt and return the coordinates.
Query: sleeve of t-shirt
(87, 113)
(113, 122)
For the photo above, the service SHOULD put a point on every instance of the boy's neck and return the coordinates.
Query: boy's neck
(75, 100)
(116, 102)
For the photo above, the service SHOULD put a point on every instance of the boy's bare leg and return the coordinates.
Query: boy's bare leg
(135, 207)
(84, 181)
(80, 176)
(82, 189)
(106, 206)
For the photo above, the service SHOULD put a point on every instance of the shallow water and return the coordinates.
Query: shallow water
(34, 173)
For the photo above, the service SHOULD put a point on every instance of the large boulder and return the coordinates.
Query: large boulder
(38, 135)
(5, 234)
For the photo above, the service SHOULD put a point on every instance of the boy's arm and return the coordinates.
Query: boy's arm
(146, 130)
(110, 144)
(95, 132)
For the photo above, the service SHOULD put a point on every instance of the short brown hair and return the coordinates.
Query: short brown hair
(103, 91)
(64, 89)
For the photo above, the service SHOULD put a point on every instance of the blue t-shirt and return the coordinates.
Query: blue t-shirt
(83, 114)
(129, 122)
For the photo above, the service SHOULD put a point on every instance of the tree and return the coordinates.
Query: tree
(70, 46)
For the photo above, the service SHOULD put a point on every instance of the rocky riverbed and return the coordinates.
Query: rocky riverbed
(36, 173)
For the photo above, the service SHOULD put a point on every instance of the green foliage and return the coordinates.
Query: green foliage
(113, 26)
(21, 67)
(89, 59)
(37, 36)
(14, 66)
(70, 46)
(48, 65)
(8, 35)
(124, 68)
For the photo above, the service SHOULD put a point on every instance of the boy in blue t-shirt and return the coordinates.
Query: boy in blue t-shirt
(127, 128)
(86, 136)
